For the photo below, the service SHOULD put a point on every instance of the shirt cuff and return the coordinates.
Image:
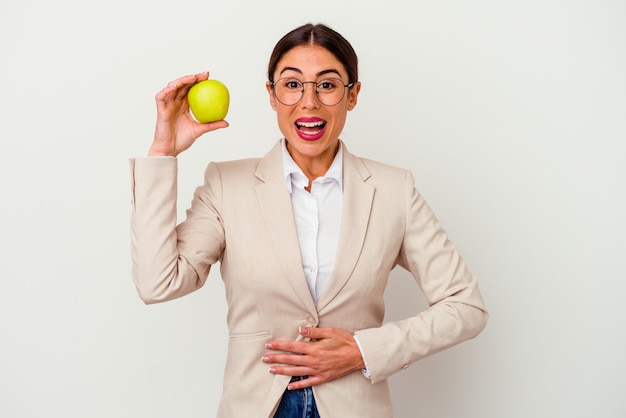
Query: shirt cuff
(365, 371)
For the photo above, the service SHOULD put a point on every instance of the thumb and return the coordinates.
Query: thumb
(202, 128)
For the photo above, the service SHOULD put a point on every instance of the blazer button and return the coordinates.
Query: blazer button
(310, 321)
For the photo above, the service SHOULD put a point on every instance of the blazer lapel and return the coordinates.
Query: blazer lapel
(357, 203)
(275, 203)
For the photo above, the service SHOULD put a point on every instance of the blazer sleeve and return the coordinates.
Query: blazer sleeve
(456, 309)
(164, 266)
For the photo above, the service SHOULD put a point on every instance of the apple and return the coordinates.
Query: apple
(208, 101)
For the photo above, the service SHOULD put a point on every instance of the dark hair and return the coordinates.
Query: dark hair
(321, 35)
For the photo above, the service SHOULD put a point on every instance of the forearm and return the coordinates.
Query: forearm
(396, 345)
(158, 271)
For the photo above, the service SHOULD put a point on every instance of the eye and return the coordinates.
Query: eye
(328, 85)
(292, 84)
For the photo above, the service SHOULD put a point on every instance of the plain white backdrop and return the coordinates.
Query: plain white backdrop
(511, 115)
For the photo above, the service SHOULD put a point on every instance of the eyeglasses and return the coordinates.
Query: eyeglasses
(329, 92)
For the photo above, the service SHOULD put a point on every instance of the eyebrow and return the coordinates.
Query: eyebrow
(297, 70)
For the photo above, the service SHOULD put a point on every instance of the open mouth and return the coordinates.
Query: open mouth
(310, 128)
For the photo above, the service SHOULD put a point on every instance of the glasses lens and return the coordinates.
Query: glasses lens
(289, 91)
(330, 91)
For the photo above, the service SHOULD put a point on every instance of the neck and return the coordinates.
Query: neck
(314, 167)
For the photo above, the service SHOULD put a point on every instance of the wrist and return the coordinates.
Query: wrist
(363, 366)
(156, 152)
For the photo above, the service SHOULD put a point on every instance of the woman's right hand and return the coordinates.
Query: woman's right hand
(176, 130)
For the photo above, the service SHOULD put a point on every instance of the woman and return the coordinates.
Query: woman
(306, 237)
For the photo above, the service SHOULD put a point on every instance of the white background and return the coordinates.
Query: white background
(511, 115)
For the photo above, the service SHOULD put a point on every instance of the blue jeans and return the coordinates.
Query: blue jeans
(298, 403)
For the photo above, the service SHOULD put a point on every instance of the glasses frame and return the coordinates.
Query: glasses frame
(317, 94)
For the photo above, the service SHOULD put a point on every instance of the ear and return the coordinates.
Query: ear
(353, 95)
(270, 91)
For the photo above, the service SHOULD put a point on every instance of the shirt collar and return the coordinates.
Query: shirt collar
(294, 175)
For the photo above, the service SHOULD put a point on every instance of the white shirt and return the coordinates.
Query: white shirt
(317, 216)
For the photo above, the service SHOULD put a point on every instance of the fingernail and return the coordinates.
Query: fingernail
(272, 370)
(289, 387)
(265, 359)
(303, 330)
(268, 345)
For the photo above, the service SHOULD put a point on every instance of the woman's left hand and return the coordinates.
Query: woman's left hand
(329, 354)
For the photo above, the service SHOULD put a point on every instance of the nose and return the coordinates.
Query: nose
(309, 96)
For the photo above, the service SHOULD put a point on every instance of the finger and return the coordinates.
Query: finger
(287, 359)
(183, 86)
(190, 79)
(178, 88)
(317, 333)
(296, 347)
(167, 93)
(186, 82)
(305, 383)
(292, 370)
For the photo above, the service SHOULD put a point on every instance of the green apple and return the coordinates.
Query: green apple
(208, 101)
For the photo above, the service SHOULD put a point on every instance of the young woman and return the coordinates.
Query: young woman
(306, 237)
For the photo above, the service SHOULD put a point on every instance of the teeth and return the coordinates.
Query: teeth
(311, 124)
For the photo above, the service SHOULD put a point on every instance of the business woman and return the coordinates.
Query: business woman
(305, 237)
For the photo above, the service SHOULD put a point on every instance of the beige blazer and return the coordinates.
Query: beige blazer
(242, 218)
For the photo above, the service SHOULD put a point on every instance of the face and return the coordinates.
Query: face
(311, 128)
